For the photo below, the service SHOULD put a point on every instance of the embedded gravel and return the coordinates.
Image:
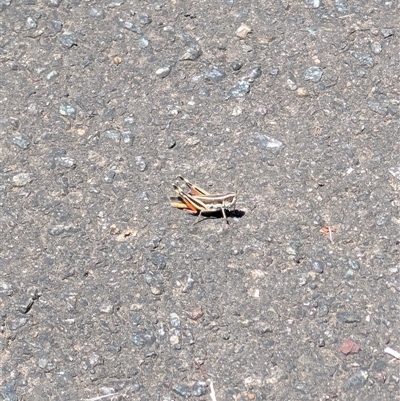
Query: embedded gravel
(107, 292)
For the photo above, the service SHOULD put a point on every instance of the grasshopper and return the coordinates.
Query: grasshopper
(202, 202)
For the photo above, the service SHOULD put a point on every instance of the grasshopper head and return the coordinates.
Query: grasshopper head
(234, 200)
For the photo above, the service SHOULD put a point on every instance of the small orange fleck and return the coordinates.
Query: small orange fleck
(328, 230)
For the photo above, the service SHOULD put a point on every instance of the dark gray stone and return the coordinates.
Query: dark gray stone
(199, 388)
(7, 392)
(266, 142)
(113, 135)
(241, 89)
(252, 74)
(317, 266)
(356, 381)
(158, 259)
(348, 317)
(68, 40)
(313, 74)
(21, 142)
(183, 391)
(132, 27)
(236, 65)
(144, 19)
(215, 75)
(67, 110)
(143, 338)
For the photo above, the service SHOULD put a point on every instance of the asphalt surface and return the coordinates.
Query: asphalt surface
(108, 292)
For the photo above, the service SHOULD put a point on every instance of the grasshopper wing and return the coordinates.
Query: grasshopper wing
(177, 201)
(194, 189)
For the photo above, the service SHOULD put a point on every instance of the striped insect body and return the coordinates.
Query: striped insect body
(198, 200)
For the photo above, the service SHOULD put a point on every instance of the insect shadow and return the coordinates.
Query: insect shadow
(236, 213)
(218, 215)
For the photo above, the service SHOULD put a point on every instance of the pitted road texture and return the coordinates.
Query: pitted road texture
(107, 292)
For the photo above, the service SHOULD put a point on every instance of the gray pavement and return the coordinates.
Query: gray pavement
(109, 293)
